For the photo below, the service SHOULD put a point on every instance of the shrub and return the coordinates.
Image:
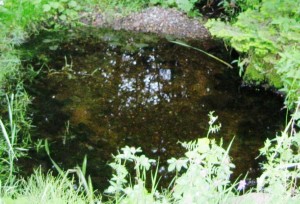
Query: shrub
(267, 32)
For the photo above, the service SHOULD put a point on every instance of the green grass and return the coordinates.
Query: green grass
(11, 147)
(40, 188)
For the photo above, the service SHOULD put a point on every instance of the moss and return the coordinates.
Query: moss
(274, 79)
(253, 76)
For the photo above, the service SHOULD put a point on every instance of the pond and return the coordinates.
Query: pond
(99, 90)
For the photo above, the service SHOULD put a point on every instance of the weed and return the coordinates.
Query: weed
(11, 148)
(268, 32)
(187, 6)
(121, 7)
(84, 187)
(47, 188)
(282, 169)
(202, 175)
(61, 12)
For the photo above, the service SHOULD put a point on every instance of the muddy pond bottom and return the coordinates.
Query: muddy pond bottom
(102, 92)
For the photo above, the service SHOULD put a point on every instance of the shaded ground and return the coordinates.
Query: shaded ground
(164, 21)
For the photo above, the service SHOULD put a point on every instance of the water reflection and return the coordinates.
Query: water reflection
(152, 97)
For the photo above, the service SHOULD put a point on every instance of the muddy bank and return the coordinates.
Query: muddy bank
(162, 21)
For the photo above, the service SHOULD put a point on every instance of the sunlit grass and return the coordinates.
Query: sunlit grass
(10, 145)
(40, 188)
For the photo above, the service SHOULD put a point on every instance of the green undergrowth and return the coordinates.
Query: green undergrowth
(19, 19)
(189, 7)
(47, 189)
(123, 7)
(268, 35)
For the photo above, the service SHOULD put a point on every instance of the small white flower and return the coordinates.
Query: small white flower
(1, 2)
(144, 161)
(242, 185)
(128, 153)
(177, 164)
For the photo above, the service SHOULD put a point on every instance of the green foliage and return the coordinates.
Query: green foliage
(20, 19)
(9, 65)
(69, 186)
(46, 189)
(18, 15)
(121, 7)
(61, 12)
(206, 165)
(282, 169)
(202, 174)
(187, 6)
(85, 188)
(231, 7)
(269, 32)
(11, 147)
(121, 188)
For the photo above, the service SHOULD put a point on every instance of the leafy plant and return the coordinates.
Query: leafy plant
(187, 6)
(231, 7)
(123, 190)
(202, 175)
(11, 148)
(268, 32)
(121, 7)
(282, 169)
(61, 12)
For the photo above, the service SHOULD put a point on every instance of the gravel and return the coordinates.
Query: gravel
(163, 21)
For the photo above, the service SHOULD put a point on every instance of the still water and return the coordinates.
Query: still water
(103, 90)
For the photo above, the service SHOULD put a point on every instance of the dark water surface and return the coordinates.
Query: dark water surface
(103, 91)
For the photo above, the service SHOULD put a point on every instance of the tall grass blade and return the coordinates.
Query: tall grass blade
(10, 108)
(60, 171)
(84, 165)
(91, 189)
(202, 51)
(86, 184)
(228, 149)
(6, 136)
(154, 179)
